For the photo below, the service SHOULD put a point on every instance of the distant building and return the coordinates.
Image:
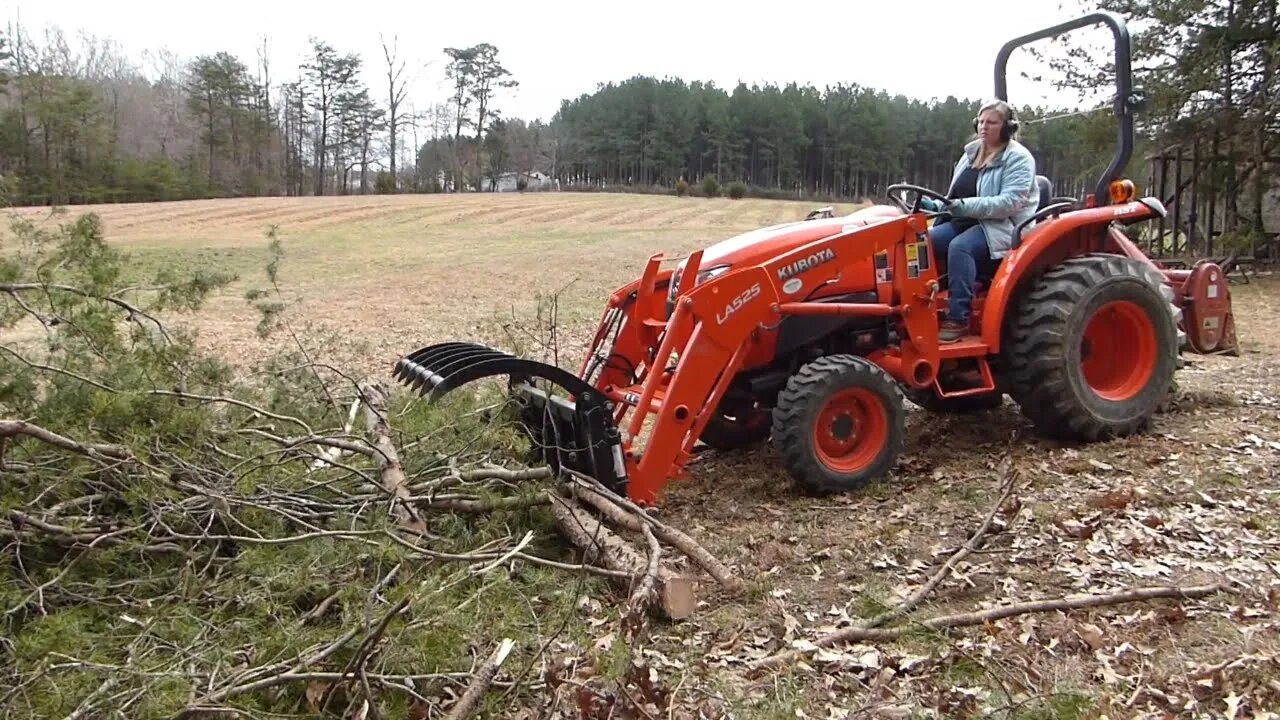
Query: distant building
(510, 182)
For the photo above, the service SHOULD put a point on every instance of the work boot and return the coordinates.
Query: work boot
(952, 331)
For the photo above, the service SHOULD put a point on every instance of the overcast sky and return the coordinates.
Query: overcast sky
(562, 49)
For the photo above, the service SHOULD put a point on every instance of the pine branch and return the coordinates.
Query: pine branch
(96, 451)
(133, 310)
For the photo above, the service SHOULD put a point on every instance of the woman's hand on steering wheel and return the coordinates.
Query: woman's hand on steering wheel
(920, 193)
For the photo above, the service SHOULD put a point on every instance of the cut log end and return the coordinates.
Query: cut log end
(678, 597)
(676, 594)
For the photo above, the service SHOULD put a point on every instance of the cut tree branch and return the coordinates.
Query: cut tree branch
(322, 440)
(130, 308)
(858, 634)
(643, 595)
(675, 594)
(237, 403)
(614, 507)
(391, 472)
(52, 369)
(13, 428)
(466, 705)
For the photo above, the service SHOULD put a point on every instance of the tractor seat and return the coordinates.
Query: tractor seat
(1046, 192)
(1044, 187)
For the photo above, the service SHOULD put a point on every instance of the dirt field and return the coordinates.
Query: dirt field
(1195, 501)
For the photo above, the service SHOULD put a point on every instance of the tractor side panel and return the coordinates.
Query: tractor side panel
(843, 268)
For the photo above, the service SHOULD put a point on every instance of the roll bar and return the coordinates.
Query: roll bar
(1128, 100)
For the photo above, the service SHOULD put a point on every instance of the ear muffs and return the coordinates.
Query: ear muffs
(1010, 127)
(1007, 130)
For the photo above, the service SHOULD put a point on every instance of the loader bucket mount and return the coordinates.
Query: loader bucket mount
(577, 433)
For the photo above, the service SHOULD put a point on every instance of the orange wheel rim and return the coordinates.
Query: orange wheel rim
(1118, 351)
(851, 430)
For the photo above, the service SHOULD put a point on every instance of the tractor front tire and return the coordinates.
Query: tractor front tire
(839, 424)
(1093, 348)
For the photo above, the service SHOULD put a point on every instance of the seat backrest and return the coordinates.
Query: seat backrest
(1046, 191)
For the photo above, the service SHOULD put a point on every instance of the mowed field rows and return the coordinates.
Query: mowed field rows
(1193, 501)
(391, 272)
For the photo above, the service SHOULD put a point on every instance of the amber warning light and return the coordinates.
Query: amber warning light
(1122, 191)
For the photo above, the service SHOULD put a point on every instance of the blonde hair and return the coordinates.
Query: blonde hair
(985, 155)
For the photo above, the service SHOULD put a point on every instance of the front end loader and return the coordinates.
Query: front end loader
(814, 335)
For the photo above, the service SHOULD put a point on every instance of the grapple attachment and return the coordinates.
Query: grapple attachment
(576, 432)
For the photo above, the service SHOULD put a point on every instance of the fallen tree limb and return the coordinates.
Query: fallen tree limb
(333, 453)
(332, 445)
(356, 665)
(232, 401)
(1009, 480)
(390, 471)
(270, 676)
(505, 475)
(645, 591)
(676, 598)
(58, 370)
(616, 509)
(857, 634)
(481, 475)
(466, 705)
(21, 521)
(13, 428)
(129, 308)
(162, 393)
(471, 505)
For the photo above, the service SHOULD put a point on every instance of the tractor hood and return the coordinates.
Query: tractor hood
(760, 246)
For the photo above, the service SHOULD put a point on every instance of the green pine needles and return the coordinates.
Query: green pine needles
(183, 538)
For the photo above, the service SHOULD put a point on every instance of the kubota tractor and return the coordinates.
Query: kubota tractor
(814, 333)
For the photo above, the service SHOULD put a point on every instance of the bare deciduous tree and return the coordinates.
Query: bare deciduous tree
(396, 89)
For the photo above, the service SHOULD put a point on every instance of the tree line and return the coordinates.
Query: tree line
(88, 124)
(85, 123)
(1211, 74)
(846, 141)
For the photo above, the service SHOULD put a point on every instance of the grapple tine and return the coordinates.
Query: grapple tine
(425, 370)
(578, 433)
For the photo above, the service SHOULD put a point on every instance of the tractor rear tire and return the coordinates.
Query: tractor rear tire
(839, 424)
(1093, 348)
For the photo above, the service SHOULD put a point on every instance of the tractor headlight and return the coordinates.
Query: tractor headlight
(703, 275)
(712, 272)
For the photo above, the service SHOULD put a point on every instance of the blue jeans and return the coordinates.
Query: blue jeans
(966, 253)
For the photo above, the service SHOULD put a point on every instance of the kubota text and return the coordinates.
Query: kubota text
(822, 256)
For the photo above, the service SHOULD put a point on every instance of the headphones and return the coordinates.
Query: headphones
(1010, 122)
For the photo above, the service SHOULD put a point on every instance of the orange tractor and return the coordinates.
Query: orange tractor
(814, 333)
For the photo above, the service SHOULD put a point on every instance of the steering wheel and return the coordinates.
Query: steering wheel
(919, 191)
